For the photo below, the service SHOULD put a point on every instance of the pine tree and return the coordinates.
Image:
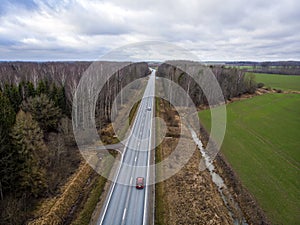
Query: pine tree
(7, 114)
(53, 94)
(42, 87)
(7, 119)
(14, 96)
(30, 156)
(62, 100)
(58, 96)
(44, 111)
(29, 90)
(7, 170)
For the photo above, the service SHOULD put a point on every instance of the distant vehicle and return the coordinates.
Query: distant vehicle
(149, 108)
(140, 182)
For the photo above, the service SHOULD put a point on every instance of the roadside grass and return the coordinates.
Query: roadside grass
(159, 195)
(262, 144)
(124, 129)
(88, 209)
(279, 81)
(85, 215)
(159, 187)
(133, 111)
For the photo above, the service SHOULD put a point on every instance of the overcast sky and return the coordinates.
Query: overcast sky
(211, 29)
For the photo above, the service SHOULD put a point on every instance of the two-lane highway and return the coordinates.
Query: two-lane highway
(125, 204)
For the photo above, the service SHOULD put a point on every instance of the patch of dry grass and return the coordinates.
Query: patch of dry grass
(54, 211)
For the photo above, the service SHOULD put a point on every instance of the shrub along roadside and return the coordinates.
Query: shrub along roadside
(60, 209)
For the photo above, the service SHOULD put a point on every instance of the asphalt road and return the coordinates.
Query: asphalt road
(125, 204)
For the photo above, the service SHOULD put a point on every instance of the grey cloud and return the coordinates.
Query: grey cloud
(214, 29)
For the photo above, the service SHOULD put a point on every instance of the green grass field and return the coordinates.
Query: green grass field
(262, 143)
(277, 81)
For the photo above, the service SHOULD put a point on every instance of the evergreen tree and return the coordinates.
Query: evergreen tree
(29, 90)
(62, 100)
(21, 89)
(7, 114)
(7, 119)
(29, 155)
(26, 89)
(44, 111)
(14, 96)
(53, 94)
(58, 96)
(42, 87)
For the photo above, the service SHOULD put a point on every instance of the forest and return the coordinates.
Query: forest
(38, 151)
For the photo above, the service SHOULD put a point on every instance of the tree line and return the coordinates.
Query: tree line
(233, 82)
(276, 67)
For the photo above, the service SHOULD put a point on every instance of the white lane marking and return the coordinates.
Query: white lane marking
(131, 180)
(124, 214)
(135, 159)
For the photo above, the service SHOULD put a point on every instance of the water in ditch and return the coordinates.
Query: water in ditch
(219, 182)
